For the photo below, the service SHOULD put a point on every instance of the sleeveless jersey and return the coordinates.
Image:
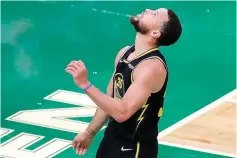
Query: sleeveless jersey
(142, 125)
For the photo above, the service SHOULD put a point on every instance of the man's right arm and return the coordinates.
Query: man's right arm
(100, 117)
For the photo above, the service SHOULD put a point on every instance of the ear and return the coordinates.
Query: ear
(155, 34)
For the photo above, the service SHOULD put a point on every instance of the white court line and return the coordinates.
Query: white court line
(196, 114)
(70, 97)
(4, 132)
(192, 117)
(231, 100)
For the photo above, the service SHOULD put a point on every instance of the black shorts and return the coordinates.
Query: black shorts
(118, 148)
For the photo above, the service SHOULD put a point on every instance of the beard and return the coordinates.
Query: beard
(138, 25)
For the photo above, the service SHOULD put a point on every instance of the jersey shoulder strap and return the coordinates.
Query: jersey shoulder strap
(124, 55)
(151, 54)
(127, 52)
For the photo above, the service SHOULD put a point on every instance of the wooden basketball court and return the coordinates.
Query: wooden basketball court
(211, 129)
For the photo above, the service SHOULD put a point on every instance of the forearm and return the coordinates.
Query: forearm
(100, 117)
(108, 104)
(98, 121)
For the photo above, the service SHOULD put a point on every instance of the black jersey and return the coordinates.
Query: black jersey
(142, 125)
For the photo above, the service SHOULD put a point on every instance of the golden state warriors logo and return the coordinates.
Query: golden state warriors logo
(118, 86)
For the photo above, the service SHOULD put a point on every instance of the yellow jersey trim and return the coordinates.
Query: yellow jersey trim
(138, 149)
(125, 61)
(147, 52)
(160, 113)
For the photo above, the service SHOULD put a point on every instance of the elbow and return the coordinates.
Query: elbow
(122, 117)
(122, 114)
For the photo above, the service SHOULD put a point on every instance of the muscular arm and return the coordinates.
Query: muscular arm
(149, 76)
(101, 117)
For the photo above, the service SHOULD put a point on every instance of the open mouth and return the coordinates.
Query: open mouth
(140, 15)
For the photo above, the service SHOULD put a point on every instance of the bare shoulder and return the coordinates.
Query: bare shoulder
(151, 71)
(120, 53)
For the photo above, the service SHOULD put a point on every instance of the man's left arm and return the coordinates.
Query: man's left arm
(148, 77)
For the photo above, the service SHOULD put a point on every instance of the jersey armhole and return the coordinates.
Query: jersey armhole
(122, 55)
(152, 57)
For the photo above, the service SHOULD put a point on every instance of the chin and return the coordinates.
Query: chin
(134, 20)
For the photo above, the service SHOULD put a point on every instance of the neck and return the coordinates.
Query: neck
(142, 44)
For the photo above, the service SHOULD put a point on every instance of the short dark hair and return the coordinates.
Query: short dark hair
(171, 30)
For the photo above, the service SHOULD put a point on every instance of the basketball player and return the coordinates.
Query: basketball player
(135, 94)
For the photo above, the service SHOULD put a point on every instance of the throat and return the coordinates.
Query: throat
(143, 43)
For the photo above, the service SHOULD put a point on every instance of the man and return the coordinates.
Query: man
(135, 94)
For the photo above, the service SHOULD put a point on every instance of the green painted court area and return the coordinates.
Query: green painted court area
(38, 40)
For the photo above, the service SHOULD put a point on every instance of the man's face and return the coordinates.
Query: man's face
(149, 20)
